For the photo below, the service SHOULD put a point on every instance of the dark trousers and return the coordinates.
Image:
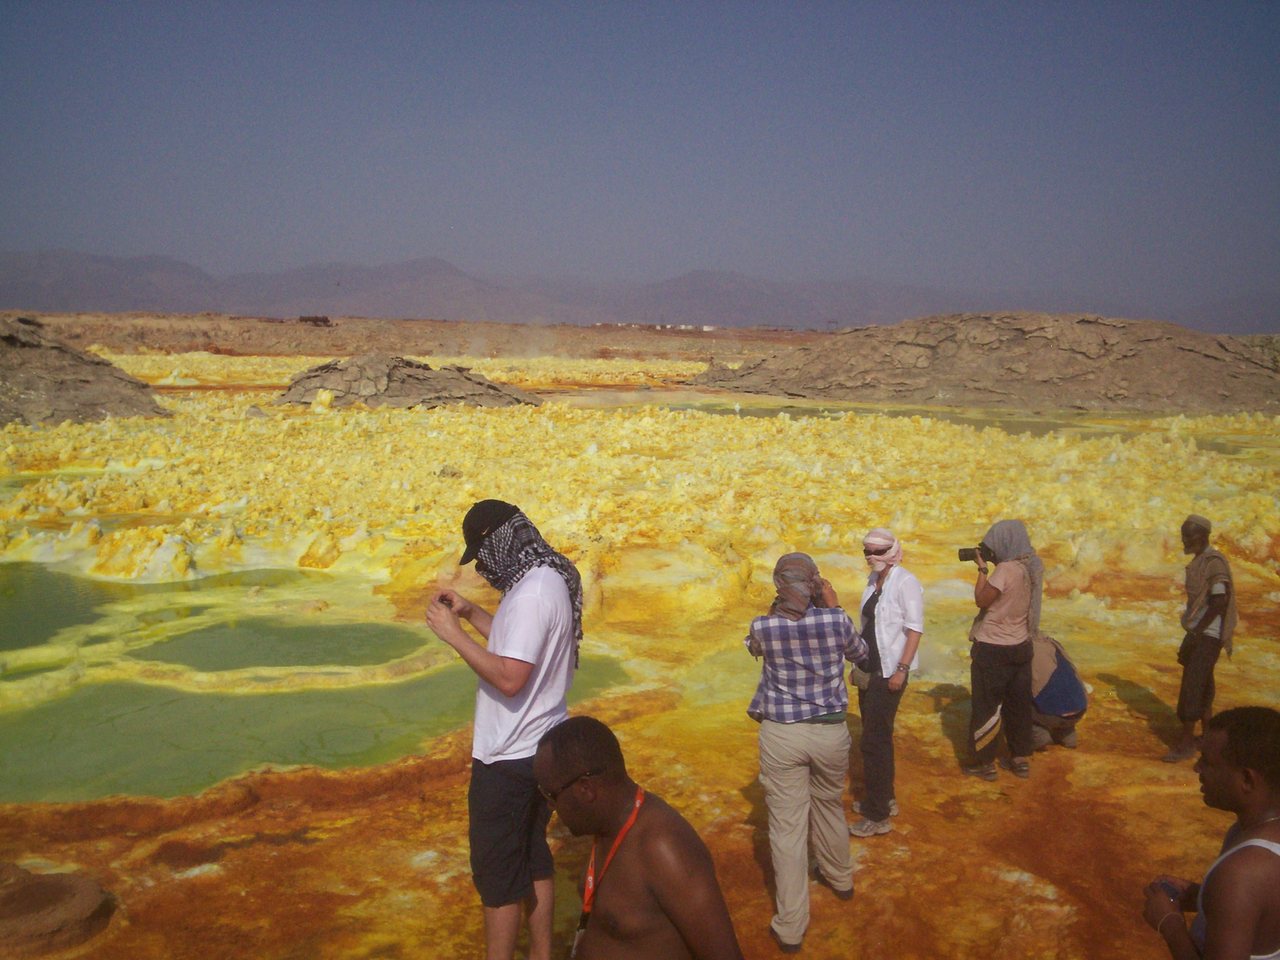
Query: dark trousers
(1000, 678)
(1198, 656)
(878, 706)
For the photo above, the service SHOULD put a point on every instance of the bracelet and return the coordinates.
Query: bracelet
(902, 668)
(1163, 919)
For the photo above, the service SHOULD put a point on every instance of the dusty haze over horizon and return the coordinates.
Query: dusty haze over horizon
(1124, 157)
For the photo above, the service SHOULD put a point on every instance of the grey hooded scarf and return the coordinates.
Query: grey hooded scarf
(1008, 540)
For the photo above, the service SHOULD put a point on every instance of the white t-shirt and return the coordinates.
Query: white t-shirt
(534, 623)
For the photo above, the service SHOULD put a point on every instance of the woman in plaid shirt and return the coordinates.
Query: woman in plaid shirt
(801, 705)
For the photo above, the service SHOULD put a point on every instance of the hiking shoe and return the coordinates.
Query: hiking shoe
(782, 944)
(893, 807)
(870, 828)
(1017, 766)
(985, 771)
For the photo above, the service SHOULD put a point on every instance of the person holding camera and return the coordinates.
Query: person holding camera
(525, 673)
(1008, 600)
(892, 624)
(801, 705)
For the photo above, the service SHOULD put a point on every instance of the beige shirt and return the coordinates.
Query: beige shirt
(1004, 623)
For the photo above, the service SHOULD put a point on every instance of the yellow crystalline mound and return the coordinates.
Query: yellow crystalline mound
(601, 483)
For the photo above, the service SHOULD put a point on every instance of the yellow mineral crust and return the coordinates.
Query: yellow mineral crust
(675, 520)
(211, 369)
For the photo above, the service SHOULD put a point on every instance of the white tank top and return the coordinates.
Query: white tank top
(1198, 924)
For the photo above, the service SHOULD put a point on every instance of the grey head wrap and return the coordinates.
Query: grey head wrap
(796, 578)
(1008, 540)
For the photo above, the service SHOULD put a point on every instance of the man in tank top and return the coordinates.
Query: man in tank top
(1237, 903)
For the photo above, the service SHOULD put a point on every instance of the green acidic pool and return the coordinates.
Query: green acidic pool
(131, 738)
(269, 642)
(36, 603)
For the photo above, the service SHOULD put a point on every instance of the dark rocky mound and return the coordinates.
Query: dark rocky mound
(377, 380)
(45, 381)
(1024, 361)
(41, 914)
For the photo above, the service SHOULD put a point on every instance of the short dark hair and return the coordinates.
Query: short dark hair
(585, 742)
(1253, 740)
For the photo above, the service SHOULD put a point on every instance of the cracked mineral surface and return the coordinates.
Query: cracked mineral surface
(376, 381)
(45, 381)
(1024, 360)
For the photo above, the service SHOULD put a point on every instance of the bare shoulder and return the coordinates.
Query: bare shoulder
(1249, 871)
(669, 840)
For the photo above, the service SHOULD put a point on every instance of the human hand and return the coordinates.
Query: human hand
(979, 560)
(1159, 907)
(829, 597)
(1181, 886)
(455, 601)
(897, 681)
(443, 619)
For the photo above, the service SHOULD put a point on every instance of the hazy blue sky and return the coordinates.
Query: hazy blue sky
(1118, 149)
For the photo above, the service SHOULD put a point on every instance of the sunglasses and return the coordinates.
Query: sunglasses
(550, 795)
(868, 552)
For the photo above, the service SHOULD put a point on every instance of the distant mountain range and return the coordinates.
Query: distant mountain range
(65, 281)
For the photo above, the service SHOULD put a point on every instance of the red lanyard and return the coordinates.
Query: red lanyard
(589, 894)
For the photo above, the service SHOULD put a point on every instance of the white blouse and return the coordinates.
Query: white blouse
(901, 608)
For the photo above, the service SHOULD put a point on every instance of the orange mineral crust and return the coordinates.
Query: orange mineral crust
(373, 862)
(259, 576)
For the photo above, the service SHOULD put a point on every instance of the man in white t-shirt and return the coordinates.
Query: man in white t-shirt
(525, 673)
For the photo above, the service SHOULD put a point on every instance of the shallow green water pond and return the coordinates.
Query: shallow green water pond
(67, 741)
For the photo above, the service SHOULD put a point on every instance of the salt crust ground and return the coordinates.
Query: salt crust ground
(675, 518)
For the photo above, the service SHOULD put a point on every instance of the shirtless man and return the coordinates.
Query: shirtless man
(1238, 902)
(656, 896)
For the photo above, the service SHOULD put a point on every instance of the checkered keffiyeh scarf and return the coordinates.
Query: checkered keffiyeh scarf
(514, 549)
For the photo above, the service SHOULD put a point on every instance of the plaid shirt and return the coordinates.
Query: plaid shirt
(803, 675)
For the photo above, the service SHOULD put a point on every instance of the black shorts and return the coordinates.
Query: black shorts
(508, 831)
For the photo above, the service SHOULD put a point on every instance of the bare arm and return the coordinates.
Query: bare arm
(1165, 917)
(478, 616)
(1216, 607)
(1234, 901)
(506, 674)
(683, 882)
(984, 594)
(899, 678)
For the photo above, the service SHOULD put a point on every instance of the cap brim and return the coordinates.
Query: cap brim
(468, 555)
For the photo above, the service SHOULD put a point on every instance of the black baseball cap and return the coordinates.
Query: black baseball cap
(481, 520)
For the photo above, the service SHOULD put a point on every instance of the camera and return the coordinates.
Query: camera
(969, 554)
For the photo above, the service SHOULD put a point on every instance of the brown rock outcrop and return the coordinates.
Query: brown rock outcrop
(45, 381)
(44, 913)
(378, 380)
(1023, 361)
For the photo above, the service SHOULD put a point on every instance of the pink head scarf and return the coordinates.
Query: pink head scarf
(879, 539)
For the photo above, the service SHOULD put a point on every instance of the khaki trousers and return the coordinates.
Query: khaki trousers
(803, 768)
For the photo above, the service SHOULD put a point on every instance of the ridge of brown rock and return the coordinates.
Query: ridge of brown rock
(42, 380)
(1023, 360)
(379, 380)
